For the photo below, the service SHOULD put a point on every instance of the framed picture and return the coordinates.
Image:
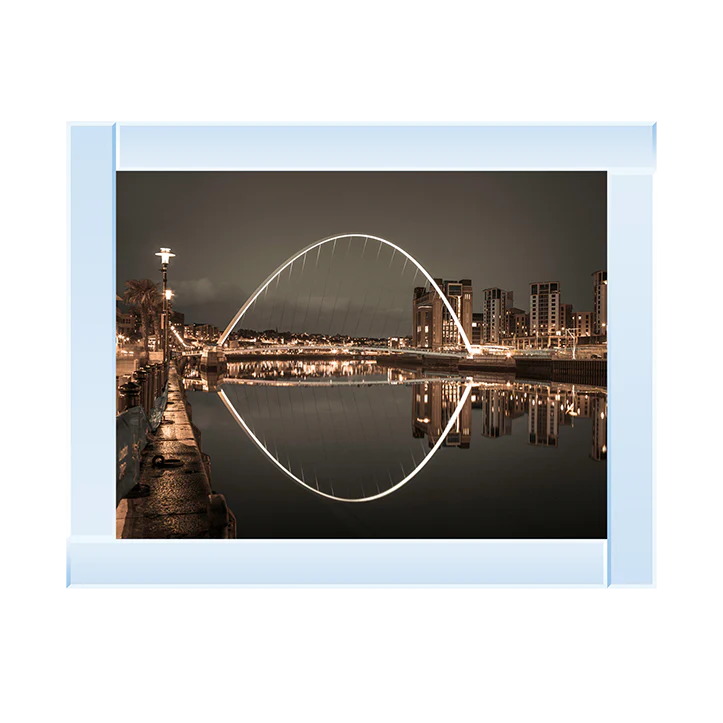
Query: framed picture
(378, 354)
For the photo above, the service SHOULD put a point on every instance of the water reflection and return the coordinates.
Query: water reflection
(436, 455)
(433, 404)
(333, 426)
(302, 370)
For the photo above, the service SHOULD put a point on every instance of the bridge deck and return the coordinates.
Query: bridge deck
(281, 348)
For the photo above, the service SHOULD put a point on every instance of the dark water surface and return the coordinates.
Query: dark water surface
(521, 460)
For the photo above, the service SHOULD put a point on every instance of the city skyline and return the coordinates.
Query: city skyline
(500, 322)
(503, 230)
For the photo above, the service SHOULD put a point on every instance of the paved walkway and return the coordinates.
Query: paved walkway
(178, 504)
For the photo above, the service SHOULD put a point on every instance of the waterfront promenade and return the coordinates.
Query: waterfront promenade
(181, 503)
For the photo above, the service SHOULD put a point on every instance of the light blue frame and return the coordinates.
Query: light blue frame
(626, 151)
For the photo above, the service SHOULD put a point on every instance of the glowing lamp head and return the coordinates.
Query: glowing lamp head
(169, 294)
(165, 255)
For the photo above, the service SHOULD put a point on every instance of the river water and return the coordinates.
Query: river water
(349, 449)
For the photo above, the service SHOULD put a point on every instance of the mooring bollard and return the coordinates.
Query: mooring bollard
(159, 387)
(141, 377)
(154, 384)
(130, 396)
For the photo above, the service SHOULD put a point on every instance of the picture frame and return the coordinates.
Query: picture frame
(625, 151)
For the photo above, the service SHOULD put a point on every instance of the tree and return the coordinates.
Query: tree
(143, 296)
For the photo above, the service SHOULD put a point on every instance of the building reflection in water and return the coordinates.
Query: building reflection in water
(498, 410)
(599, 428)
(548, 405)
(433, 404)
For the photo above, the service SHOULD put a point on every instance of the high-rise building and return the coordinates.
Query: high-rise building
(517, 323)
(495, 302)
(583, 323)
(600, 303)
(568, 320)
(545, 311)
(433, 326)
(477, 328)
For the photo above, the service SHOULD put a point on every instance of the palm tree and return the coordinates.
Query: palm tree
(145, 297)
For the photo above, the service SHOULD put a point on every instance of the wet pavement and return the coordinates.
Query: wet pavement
(178, 503)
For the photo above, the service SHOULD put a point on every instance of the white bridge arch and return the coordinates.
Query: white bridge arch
(331, 239)
(299, 480)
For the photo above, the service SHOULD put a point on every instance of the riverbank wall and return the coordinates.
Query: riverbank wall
(490, 364)
(592, 372)
(177, 501)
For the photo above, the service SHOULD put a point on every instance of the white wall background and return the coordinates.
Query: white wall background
(360, 655)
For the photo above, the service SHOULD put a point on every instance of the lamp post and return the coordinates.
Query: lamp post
(166, 256)
(169, 295)
(574, 341)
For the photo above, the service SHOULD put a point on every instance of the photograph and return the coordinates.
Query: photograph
(361, 355)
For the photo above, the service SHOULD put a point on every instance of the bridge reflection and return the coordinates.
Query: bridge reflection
(337, 427)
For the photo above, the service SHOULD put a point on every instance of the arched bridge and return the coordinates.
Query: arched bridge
(311, 254)
(308, 478)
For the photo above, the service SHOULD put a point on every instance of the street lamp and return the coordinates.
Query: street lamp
(166, 256)
(574, 340)
(168, 297)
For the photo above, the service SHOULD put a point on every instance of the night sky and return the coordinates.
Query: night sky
(230, 230)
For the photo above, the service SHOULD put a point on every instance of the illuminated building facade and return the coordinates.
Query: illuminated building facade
(476, 337)
(583, 323)
(545, 309)
(517, 323)
(433, 326)
(495, 303)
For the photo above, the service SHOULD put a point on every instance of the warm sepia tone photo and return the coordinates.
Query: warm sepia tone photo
(417, 355)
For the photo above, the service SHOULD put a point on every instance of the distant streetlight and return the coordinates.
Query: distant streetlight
(166, 256)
